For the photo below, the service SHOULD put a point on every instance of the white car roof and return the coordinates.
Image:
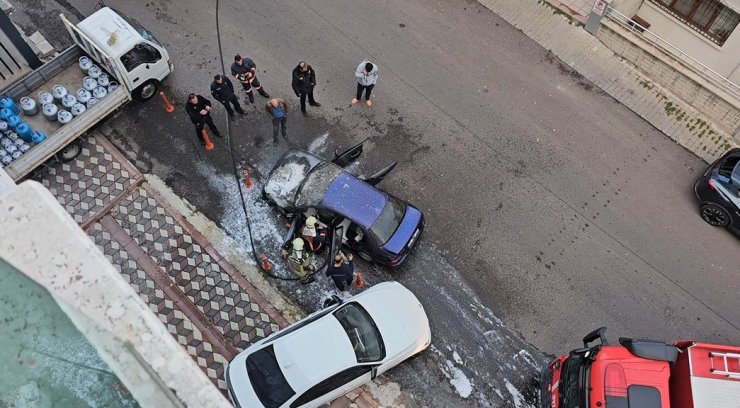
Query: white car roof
(112, 33)
(314, 352)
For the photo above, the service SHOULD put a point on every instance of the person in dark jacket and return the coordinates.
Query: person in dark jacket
(304, 80)
(342, 271)
(245, 71)
(199, 110)
(223, 90)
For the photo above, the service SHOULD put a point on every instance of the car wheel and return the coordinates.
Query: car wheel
(146, 91)
(364, 255)
(70, 152)
(715, 215)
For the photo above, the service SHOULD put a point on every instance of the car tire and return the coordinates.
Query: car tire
(147, 90)
(715, 215)
(70, 152)
(365, 256)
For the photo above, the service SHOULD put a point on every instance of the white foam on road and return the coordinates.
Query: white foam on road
(516, 396)
(318, 145)
(457, 378)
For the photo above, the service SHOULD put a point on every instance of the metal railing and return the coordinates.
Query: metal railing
(700, 69)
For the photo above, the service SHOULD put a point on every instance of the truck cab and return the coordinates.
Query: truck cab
(642, 374)
(124, 46)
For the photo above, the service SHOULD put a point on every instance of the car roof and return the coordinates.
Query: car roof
(314, 353)
(105, 22)
(355, 199)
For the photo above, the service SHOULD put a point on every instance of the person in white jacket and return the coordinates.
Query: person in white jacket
(367, 75)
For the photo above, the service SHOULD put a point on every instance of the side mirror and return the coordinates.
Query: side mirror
(599, 333)
(333, 300)
(373, 372)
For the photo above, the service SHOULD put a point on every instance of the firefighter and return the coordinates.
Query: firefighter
(299, 261)
(314, 233)
(245, 71)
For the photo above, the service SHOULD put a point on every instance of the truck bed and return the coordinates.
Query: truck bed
(61, 70)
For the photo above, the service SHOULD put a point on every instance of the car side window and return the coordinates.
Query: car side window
(142, 53)
(330, 384)
(727, 168)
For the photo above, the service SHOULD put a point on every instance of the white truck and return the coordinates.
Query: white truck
(125, 50)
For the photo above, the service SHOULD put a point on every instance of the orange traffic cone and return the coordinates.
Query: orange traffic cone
(266, 265)
(167, 105)
(209, 145)
(247, 180)
(358, 281)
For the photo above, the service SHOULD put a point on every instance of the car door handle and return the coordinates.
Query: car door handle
(135, 79)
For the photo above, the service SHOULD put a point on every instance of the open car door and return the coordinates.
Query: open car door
(291, 232)
(348, 156)
(336, 246)
(380, 174)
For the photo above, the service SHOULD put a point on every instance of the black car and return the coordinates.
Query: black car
(718, 191)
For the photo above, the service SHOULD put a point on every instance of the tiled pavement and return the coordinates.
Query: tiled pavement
(202, 300)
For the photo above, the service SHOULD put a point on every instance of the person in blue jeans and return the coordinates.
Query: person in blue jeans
(278, 110)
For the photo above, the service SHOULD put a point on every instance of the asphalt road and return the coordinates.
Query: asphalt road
(547, 202)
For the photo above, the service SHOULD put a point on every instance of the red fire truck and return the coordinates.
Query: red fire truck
(643, 374)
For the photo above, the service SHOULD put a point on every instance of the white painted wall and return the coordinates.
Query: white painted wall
(725, 60)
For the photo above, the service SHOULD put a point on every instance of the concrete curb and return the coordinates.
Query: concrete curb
(587, 55)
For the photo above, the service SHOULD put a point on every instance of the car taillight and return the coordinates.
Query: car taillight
(711, 185)
(615, 383)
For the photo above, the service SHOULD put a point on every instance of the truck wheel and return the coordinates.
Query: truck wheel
(70, 152)
(146, 91)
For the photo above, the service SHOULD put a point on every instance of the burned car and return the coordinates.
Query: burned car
(378, 226)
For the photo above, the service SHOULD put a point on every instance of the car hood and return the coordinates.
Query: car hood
(288, 175)
(405, 230)
(399, 316)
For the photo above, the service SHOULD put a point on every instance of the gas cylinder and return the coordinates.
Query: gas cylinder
(91, 102)
(103, 80)
(50, 111)
(69, 100)
(38, 137)
(99, 93)
(5, 113)
(64, 117)
(16, 154)
(112, 86)
(29, 106)
(24, 132)
(18, 142)
(5, 142)
(14, 121)
(89, 83)
(58, 91)
(24, 147)
(94, 71)
(6, 160)
(3, 153)
(7, 102)
(45, 97)
(3, 126)
(78, 109)
(85, 63)
(10, 148)
(11, 135)
(83, 95)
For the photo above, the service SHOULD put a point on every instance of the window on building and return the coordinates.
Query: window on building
(709, 17)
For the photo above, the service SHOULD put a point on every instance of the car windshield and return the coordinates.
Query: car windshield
(388, 221)
(362, 332)
(573, 377)
(729, 170)
(316, 184)
(268, 382)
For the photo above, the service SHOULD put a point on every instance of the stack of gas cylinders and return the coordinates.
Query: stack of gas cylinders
(59, 105)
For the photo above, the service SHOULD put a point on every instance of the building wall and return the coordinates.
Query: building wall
(725, 60)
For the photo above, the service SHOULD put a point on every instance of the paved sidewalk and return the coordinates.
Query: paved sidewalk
(205, 303)
(591, 58)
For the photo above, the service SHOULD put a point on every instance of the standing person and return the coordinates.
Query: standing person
(304, 80)
(245, 71)
(367, 75)
(199, 110)
(278, 110)
(223, 90)
(299, 261)
(342, 272)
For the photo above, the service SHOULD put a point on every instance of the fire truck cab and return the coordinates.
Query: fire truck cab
(642, 374)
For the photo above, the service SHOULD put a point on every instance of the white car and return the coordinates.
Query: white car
(331, 351)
